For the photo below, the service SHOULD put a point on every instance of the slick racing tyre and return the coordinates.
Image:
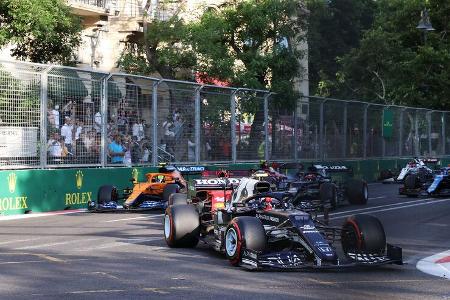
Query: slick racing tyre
(170, 189)
(412, 181)
(363, 234)
(243, 232)
(181, 226)
(177, 199)
(107, 193)
(328, 195)
(357, 192)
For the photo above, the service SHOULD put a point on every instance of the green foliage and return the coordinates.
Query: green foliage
(19, 101)
(251, 44)
(40, 30)
(396, 62)
(335, 27)
(165, 50)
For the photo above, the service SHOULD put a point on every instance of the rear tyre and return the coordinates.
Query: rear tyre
(177, 199)
(363, 234)
(107, 193)
(412, 182)
(357, 192)
(169, 189)
(328, 195)
(243, 232)
(181, 226)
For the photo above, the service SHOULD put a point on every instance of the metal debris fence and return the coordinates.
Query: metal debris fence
(56, 117)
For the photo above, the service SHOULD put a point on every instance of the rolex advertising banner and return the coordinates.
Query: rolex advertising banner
(25, 191)
(29, 191)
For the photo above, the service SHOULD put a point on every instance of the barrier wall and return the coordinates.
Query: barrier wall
(29, 191)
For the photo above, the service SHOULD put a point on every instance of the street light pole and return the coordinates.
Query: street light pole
(425, 24)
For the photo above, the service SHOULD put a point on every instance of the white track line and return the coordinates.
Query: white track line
(119, 244)
(383, 206)
(44, 214)
(135, 218)
(55, 244)
(394, 208)
(379, 197)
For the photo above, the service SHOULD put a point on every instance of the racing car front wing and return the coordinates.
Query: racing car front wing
(114, 206)
(290, 260)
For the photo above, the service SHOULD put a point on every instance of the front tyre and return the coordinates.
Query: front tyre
(328, 195)
(181, 226)
(244, 232)
(363, 234)
(106, 194)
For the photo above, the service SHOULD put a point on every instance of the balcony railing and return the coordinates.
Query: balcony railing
(97, 3)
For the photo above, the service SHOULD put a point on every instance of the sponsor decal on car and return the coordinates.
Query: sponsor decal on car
(216, 181)
(188, 169)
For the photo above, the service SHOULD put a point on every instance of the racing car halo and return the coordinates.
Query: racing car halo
(264, 231)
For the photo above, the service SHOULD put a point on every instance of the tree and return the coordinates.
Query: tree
(395, 64)
(252, 44)
(334, 28)
(163, 49)
(39, 30)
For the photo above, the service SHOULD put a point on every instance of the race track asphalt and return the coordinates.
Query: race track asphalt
(124, 256)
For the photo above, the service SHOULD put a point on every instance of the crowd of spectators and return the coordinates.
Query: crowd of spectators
(74, 135)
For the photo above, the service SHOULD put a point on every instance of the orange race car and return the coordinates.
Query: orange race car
(151, 194)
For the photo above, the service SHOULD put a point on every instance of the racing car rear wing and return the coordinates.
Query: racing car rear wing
(334, 168)
(225, 173)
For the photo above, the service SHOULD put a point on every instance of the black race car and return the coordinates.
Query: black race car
(264, 231)
(317, 187)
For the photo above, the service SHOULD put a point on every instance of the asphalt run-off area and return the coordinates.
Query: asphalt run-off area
(80, 255)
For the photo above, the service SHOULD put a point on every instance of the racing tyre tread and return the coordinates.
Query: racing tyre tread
(250, 235)
(363, 234)
(107, 193)
(357, 192)
(328, 195)
(177, 199)
(181, 226)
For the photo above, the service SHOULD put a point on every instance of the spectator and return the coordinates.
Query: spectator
(88, 141)
(98, 122)
(54, 146)
(145, 153)
(67, 132)
(69, 110)
(116, 150)
(169, 135)
(191, 150)
(53, 117)
(122, 122)
(78, 132)
(138, 130)
(178, 126)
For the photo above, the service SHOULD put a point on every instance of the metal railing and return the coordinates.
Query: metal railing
(97, 3)
(54, 116)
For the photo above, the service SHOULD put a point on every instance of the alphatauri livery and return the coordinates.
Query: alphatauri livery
(264, 231)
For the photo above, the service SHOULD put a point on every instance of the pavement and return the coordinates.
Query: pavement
(115, 256)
